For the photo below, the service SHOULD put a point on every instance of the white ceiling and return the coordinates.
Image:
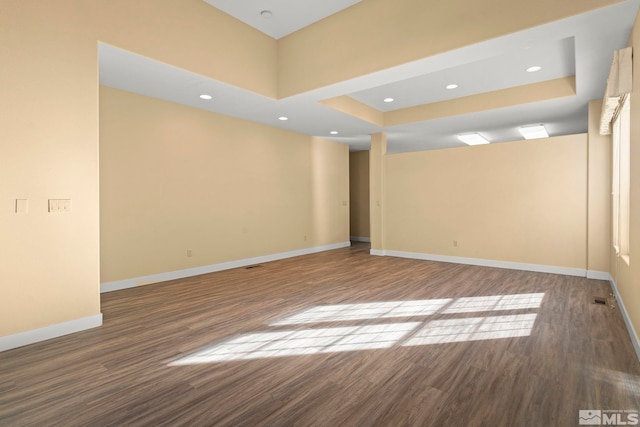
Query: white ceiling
(582, 45)
(286, 16)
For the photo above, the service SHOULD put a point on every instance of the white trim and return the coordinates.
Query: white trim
(360, 239)
(195, 271)
(598, 275)
(53, 331)
(567, 271)
(632, 332)
(377, 252)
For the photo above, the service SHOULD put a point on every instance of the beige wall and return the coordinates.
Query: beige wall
(49, 131)
(377, 202)
(521, 202)
(188, 34)
(174, 178)
(627, 276)
(329, 192)
(48, 146)
(367, 37)
(359, 193)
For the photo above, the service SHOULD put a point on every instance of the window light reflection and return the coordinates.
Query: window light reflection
(473, 329)
(627, 382)
(385, 310)
(306, 341)
(282, 343)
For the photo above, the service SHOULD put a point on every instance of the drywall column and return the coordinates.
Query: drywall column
(598, 197)
(376, 188)
(359, 196)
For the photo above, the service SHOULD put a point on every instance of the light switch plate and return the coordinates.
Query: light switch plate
(22, 206)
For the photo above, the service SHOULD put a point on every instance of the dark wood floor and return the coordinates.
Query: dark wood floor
(219, 349)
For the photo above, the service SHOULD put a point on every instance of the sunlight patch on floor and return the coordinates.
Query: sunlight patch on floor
(473, 329)
(281, 343)
(306, 341)
(390, 309)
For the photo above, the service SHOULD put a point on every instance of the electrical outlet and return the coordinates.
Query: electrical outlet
(455, 243)
(59, 205)
(189, 253)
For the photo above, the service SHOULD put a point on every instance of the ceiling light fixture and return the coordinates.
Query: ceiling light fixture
(205, 96)
(266, 14)
(334, 132)
(452, 86)
(388, 100)
(534, 69)
(283, 118)
(473, 139)
(533, 132)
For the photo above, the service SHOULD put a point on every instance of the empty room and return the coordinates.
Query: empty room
(319, 213)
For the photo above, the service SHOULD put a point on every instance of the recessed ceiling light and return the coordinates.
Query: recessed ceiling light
(283, 118)
(452, 86)
(205, 96)
(473, 139)
(533, 132)
(334, 132)
(388, 100)
(534, 69)
(266, 14)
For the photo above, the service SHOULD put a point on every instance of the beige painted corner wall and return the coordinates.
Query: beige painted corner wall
(174, 178)
(329, 192)
(599, 197)
(520, 202)
(627, 277)
(48, 146)
(359, 193)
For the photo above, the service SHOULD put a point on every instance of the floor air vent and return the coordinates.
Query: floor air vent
(610, 302)
(599, 300)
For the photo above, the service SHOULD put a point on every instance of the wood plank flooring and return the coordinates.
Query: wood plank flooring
(298, 342)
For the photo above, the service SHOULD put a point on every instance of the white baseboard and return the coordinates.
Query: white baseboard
(360, 239)
(625, 315)
(598, 275)
(180, 274)
(53, 331)
(567, 271)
